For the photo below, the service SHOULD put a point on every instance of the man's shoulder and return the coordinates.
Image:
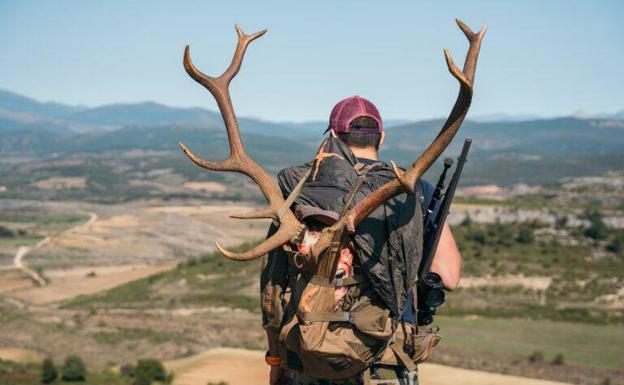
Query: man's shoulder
(294, 171)
(288, 177)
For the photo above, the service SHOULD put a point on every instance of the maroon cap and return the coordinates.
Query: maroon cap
(350, 108)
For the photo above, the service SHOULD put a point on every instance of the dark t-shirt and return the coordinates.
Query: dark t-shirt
(426, 189)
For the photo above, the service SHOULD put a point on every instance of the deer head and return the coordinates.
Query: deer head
(290, 229)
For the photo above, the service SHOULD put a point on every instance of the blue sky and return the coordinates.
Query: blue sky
(546, 58)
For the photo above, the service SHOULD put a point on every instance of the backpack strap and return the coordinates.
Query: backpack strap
(397, 348)
(293, 194)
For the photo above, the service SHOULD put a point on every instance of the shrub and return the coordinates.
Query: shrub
(478, 236)
(536, 356)
(558, 360)
(150, 370)
(617, 245)
(127, 370)
(5, 232)
(74, 369)
(525, 235)
(467, 220)
(48, 371)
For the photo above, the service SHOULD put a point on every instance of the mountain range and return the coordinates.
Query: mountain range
(507, 150)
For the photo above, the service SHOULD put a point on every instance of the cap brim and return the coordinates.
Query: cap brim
(310, 212)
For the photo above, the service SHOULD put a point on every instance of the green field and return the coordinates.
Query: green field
(581, 344)
(41, 218)
(22, 241)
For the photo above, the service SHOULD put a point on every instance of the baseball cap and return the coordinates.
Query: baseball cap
(351, 108)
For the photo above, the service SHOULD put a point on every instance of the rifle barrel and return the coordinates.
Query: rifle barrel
(444, 208)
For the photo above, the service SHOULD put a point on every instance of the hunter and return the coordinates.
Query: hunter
(351, 152)
(341, 261)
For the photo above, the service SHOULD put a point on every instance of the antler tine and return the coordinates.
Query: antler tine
(238, 159)
(405, 180)
(218, 87)
(282, 236)
(267, 213)
(465, 78)
(225, 165)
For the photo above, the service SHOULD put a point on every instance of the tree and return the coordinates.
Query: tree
(48, 371)
(597, 229)
(74, 369)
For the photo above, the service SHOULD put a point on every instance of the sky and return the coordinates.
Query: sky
(543, 58)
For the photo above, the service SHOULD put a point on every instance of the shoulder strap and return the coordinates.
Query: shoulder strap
(293, 194)
(420, 196)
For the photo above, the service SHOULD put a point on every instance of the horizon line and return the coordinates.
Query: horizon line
(579, 114)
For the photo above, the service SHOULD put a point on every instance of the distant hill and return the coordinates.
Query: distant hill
(83, 120)
(537, 151)
(504, 152)
(13, 103)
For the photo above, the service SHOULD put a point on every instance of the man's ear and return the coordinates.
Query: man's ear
(381, 140)
(333, 134)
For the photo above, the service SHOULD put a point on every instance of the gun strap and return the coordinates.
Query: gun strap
(415, 309)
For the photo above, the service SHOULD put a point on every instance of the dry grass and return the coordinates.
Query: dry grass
(67, 284)
(247, 367)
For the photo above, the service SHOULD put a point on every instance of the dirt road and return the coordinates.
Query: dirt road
(247, 367)
(22, 251)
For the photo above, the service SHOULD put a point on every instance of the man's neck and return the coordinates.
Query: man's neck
(367, 153)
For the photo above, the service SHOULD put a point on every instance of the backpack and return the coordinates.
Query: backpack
(316, 338)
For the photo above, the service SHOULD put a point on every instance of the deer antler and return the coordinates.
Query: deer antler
(239, 161)
(405, 180)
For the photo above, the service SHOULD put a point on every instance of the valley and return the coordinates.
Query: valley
(120, 227)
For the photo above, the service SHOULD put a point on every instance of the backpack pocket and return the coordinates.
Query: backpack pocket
(321, 342)
(417, 349)
(371, 318)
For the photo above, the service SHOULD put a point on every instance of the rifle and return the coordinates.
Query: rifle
(430, 287)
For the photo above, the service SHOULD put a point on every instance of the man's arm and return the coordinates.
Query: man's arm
(447, 261)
